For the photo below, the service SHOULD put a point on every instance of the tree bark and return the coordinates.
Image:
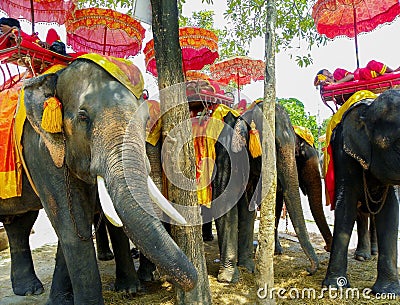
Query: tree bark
(178, 151)
(264, 259)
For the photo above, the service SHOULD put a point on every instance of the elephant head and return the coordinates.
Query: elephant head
(371, 136)
(102, 135)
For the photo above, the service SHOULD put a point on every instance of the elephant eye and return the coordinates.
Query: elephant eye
(83, 116)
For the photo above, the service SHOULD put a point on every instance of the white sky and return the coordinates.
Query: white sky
(292, 81)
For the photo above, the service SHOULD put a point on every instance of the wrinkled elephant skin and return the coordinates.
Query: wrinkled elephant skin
(235, 227)
(97, 111)
(366, 158)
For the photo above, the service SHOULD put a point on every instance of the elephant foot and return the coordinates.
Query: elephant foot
(131, 286)
(61, 299)
(362, 255)
(278, 248)
(105, 255)
(30, 287)
(386, 287)
(228, 274)
(145, 273)
(336, 282)
(248, 264)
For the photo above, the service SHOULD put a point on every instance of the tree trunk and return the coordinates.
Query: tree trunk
(264, 259)
(179, 158)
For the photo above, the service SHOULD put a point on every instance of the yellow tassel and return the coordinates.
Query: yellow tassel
(254, 141)
(52, 115)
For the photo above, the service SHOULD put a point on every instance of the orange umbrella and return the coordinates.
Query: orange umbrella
(104, 31)
(38, 10)
(239, 69)
(199, 48)
(350, 17)
(193, 75)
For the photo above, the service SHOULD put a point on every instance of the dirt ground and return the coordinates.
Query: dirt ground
(290, 278)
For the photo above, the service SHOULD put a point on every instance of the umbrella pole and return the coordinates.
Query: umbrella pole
(238, 83)
(33, 17)
(355, 34)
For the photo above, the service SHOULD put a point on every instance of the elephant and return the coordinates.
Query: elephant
(365, 154)
(95, 144)
(309, 177)
(235, 193)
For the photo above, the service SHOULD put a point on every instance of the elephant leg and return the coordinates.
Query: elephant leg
(363, 251)
(146, 269)
(207, 224)
(387, 225)
(126, 277)
(345, 217)
(227, 232)
(245, 234)
(372, 235)
(104, 252)
(61, 287)
(23, 277)
(278, 212)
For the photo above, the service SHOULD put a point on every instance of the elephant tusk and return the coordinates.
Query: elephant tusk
(107, 204)
(163, 203)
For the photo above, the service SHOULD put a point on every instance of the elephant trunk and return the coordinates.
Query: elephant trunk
(311, 178)
(126, 180)
(287, 168)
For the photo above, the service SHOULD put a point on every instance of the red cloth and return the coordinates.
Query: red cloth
(340, 73)
(330, 180)
(373, 69)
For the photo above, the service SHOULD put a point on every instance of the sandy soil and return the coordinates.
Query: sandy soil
(290, 273)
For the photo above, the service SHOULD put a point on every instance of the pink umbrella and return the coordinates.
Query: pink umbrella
(104, 31)
(199, 48)
(38, 10)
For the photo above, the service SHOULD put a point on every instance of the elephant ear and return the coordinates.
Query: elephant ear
(356, 140)
(37, 91)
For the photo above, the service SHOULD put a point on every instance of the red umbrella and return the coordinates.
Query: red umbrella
(104, 31)
(239, 69)
(350, 17)
(38, 10)
(199, 48)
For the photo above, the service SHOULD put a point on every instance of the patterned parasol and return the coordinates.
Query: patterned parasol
(350, 17)
(239, 69)
(193, 75)
(38, 10)
(199, 48)
(104, 31)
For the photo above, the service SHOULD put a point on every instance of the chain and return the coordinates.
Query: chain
(368, 197)
(71, 213)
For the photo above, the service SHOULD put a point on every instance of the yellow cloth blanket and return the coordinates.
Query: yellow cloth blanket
(205, 134)
(305, 134)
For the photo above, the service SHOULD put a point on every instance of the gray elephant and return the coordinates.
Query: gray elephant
(309, 176)
(236, 195)
(365, 147)
(97, 111)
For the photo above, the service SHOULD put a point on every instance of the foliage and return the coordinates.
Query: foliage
(294, 22)
(299, 117)
(227, 45)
